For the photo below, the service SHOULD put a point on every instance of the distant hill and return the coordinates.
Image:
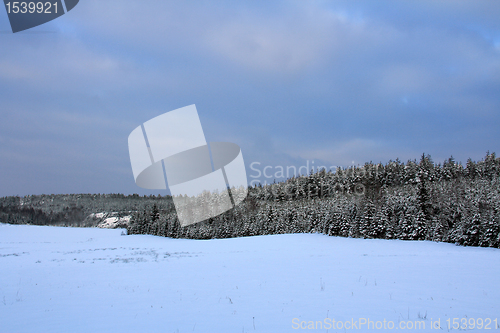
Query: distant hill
(76, 210)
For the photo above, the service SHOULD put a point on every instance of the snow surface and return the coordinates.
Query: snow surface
(56, 279)
(112, 222)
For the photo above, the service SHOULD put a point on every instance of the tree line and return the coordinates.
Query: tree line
(416, 200)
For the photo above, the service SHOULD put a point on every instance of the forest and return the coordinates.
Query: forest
(416, 200)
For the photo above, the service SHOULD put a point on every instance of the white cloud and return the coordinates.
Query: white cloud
(343, 153)
(265, 47)
(307, 37)
(60, 65)
(14, 71)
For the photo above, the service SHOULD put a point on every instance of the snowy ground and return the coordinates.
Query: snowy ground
(96, 280)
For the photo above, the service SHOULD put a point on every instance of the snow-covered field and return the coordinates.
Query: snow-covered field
(96, 280)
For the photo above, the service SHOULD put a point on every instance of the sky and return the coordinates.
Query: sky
(293, 83)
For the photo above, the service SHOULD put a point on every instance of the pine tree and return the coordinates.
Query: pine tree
(406, 226)
(367, 226)
(419, 227)
(381, 222)
(471, 231)
(489, 238)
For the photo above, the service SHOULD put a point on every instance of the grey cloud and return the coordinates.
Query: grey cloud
(287, 81)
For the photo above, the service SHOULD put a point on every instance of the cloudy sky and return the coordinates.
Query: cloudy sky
(291, 82)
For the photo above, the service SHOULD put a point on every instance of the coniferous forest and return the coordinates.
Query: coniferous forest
(416, 200)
